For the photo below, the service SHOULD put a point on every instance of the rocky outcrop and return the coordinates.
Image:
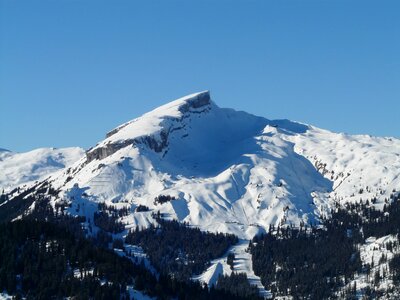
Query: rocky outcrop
(200, 100)
(159, 140)
(154, 144)
(106, 150)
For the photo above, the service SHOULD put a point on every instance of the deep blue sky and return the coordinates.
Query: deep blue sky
(72, 70)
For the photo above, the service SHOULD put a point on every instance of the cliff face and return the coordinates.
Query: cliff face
(155, 144)
(156, 140)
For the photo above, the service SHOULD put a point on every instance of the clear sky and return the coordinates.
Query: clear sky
(72, 70)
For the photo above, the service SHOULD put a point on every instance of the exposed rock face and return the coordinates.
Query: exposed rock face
(115, 130)
(111, 148)
(102, 152)
(200, 100)
(156, 142)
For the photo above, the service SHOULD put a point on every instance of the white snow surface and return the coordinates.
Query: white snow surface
(370, 253)
(241, 264)
(23, 168)
(231, 171)
(5, 296)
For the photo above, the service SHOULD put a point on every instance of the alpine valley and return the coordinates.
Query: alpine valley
(194, 201)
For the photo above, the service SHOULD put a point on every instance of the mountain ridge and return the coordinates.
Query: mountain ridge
(217, 169)
(227, 170)
(26, 167)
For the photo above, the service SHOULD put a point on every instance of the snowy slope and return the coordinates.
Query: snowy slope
(5, 296)
(229, 171)
(21, 168)
(359, 166)
(241, 264)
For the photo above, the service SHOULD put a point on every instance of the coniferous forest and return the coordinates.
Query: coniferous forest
(40, 260)
(48, 255)
(178, 249)
(320, 262)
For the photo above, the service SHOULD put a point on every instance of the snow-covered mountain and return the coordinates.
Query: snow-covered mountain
(226, 170)
(218, 169)
(24, 168)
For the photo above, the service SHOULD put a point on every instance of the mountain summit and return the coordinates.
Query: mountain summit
(152, 128)
(226, 170)
(214, 168)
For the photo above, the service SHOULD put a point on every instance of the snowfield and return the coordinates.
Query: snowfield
(229, 171)
(24, 168)
(241, 264)
(5, 296)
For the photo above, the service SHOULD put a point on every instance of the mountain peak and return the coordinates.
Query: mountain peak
(153, 127)
(184, 104)
(171, 109)
(229, 170)
(195, 114)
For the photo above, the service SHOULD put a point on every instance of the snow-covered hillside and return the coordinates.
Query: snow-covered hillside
(226, 170)
(22, 168)
(218, 169)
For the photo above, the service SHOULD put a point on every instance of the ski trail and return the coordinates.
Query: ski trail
(241, 264)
